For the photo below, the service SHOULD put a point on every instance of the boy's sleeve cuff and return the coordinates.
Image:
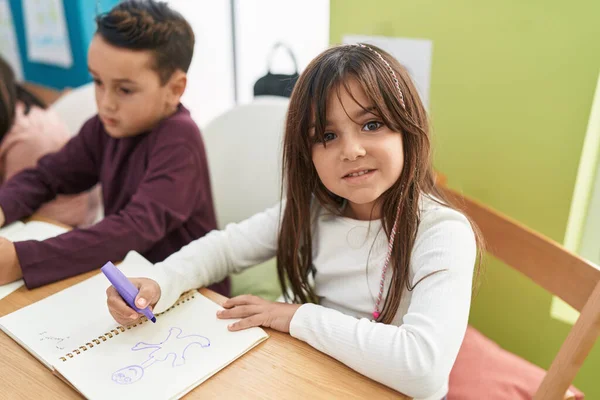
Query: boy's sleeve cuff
(11, 208)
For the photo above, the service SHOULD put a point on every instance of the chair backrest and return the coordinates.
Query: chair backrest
(76, 106)
(243, 147)
(554, 268)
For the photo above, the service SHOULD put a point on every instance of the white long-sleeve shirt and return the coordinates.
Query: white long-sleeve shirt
(414, 354)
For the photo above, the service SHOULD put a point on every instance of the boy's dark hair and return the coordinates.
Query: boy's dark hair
(11, 93)
(150, 25)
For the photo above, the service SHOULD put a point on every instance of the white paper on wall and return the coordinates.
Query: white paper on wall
(46, 32)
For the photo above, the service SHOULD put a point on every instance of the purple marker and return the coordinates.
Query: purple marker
(125, 288)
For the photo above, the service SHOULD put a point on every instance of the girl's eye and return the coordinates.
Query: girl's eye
(372, 125)
(328, 136)
(125, 91)
(97, 82)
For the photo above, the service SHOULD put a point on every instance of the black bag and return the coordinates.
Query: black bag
(277, 84)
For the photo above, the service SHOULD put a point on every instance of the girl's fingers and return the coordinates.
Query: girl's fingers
(250, 322)
(116, 303)
(242, 300)
(125, 319)
(149, 292)
(118, 308)
(239, 311)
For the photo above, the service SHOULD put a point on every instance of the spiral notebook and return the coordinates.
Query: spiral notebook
(19, 231)
(73, 334)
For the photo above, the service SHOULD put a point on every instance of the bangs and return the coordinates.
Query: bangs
(331, 80)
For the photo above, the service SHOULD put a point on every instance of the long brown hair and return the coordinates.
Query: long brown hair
(308, 103)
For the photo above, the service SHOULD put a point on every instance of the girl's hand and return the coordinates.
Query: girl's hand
(148, 296)
(255, 311)
(10, 269)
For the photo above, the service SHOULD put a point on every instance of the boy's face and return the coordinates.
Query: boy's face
(129, 94)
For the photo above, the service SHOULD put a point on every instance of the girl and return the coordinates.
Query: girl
(29, 131)
(378, 268)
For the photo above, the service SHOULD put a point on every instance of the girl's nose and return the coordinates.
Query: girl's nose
(352, 149)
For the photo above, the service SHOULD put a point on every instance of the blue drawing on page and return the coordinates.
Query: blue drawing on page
(175, 345)
(127, 375)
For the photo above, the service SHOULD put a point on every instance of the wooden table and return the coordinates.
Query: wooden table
(280, 368)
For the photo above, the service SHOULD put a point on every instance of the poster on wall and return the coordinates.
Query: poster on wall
(46, 32)
(414, 54)
(9, 48)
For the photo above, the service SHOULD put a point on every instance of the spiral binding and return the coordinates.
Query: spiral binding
(120, 329)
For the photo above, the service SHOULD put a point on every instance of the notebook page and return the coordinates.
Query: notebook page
(18, 231)
(36, 230)
(68, 319)
(10, 229)
(7, 289)
(166, 360)
(6, 232)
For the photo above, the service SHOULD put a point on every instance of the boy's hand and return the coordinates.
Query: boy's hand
(149, 295)
(255, 311)
(10, 269)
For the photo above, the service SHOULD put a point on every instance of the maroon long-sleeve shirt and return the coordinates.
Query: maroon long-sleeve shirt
(156, 195)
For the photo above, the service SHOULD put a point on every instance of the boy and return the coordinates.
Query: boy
(143, 147)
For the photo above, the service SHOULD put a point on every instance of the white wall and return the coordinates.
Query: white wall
(210, 79)
(302, 25)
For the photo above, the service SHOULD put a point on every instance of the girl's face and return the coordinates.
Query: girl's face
(363, 157)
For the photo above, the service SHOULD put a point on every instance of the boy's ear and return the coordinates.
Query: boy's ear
(176, 87)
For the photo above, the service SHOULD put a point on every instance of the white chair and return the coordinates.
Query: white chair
(244, 147)
(76, 106)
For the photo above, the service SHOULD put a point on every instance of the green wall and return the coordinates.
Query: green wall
(511, 91)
